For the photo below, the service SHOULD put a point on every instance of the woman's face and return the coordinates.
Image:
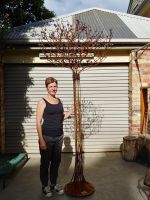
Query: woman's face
(52, 89)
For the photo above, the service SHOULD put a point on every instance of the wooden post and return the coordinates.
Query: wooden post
(2, 121)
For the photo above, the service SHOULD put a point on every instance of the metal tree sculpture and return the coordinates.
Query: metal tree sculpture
(78, 48)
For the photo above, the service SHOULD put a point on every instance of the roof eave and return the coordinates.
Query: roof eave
(120, 40)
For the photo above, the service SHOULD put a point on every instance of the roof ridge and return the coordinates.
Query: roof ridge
(102, 9)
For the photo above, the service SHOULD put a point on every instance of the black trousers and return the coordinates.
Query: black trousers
(50, 160)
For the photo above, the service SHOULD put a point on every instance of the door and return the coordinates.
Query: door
(104, 100)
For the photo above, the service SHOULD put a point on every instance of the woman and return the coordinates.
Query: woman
(49, 121)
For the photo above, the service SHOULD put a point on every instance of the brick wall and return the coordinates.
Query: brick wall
(139, 77)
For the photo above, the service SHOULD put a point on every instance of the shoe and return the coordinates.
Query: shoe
(57, 189)
(46, 191)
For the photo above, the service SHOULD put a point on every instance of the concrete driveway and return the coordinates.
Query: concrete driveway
(112, 177)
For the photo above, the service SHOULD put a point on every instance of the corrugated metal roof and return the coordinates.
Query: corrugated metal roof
(125, 26)
(139, 26)
(104, 21)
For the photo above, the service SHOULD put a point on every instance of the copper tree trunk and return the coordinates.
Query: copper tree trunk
(78, 186)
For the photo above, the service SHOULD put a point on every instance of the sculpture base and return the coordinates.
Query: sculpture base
(79, 189)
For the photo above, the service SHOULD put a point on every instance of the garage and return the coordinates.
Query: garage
(104, 101)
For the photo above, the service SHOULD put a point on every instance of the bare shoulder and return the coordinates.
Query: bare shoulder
(41, 103)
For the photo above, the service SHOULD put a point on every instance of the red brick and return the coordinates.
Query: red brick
(146, 80)
(146, 73)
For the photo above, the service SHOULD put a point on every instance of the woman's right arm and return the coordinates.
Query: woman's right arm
(39, 116)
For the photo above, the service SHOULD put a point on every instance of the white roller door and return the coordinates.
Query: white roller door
(104, 92)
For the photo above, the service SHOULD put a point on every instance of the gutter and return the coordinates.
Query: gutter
(119, 41)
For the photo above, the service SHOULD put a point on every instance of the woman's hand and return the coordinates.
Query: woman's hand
(42, 144)
(70, 112)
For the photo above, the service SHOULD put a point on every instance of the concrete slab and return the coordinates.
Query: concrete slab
(112, 177)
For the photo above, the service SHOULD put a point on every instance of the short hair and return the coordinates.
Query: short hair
(50, 80)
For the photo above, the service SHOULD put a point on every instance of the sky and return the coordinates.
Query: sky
(62, 7)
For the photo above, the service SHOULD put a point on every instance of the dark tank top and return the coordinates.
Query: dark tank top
(53, 119)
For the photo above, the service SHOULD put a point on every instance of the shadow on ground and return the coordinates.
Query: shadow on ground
(112, 177)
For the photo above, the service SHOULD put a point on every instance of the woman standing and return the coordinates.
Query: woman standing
(49, 122)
